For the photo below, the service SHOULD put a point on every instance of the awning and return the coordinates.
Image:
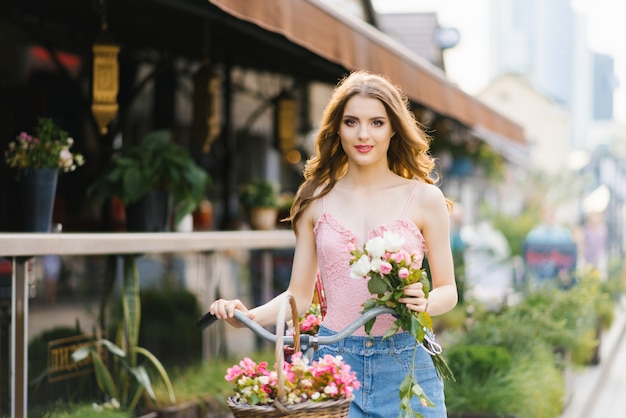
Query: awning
(352, 43)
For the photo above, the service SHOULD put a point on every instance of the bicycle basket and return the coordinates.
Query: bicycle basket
(324, 409)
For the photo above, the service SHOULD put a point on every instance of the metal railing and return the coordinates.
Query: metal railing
(22, 247)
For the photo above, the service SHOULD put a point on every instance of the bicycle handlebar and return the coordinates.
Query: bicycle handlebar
(305, 339)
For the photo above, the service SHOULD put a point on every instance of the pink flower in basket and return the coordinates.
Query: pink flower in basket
(328, 378)
(309, 322)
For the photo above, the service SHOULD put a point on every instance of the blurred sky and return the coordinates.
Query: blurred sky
(467, 63)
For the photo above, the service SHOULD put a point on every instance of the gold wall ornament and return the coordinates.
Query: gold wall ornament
(105, 80)
(286, 120)
(205, 125)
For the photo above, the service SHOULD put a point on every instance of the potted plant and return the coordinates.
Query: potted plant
(260, 199)
(157, 173)
(39, 159)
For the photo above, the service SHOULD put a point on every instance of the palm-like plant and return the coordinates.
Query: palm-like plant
(125, 380)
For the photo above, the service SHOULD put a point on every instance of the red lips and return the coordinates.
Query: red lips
(364, 148)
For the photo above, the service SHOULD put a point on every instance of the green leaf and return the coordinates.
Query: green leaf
(113, 349)
(425, 283)
(131, 303)
(376, 286)
(387, 296)
(141, 376)
(390, 284)
(392, 329)
(391, 304)
(425, 320)
(406, 387)
(369, 304)
(419, 392)
(160, 369)
(414, 325)
(103, 377)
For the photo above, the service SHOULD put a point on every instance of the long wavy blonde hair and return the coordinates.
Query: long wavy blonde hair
(408, 151)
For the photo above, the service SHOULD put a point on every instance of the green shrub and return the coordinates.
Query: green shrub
(453, 320)
(546, 323)
(168, 325)
(515, 228)
(480, 361)
(530, 387)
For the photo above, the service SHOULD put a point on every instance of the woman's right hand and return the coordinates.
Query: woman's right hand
(225, 309)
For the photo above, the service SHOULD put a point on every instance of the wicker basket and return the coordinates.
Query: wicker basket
(325, 409)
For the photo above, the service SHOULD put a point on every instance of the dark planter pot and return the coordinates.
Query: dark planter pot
(38, 188)
(151, 213)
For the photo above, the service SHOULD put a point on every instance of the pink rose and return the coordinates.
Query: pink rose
(397, 257)
(385, 267)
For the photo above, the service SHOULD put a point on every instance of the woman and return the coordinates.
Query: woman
(371, 172)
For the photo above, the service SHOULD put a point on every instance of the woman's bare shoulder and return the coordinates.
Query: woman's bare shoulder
(429, 193)
(428, 201)
(313, 211)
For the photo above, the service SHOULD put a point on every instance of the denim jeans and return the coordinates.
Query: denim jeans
(381, 365)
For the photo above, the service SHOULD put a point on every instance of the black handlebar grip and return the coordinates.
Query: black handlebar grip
(206, 320)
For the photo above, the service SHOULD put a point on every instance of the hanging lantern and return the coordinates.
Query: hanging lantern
(286, 120)
(105, 79)
(206, 93)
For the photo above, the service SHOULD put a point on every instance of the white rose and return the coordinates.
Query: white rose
(375, 264)
(392, 241)
(375, 247)
(360, 268)
(65, 158)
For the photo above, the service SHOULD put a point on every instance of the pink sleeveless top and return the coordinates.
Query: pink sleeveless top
(345, 295)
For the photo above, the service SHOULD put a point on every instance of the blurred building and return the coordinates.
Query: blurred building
(546, 122)
(604, 84)
(476, 165)
(546, 41)
(417, 31)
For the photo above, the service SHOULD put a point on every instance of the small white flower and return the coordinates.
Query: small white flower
(375, 247)
(392, 241)
(360, 268)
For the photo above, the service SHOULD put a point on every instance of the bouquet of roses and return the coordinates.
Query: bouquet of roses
(328, 378)
(389, 269)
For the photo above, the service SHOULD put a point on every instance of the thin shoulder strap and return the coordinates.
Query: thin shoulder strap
(410, 199)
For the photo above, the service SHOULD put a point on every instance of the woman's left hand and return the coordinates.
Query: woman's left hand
(414, 298)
